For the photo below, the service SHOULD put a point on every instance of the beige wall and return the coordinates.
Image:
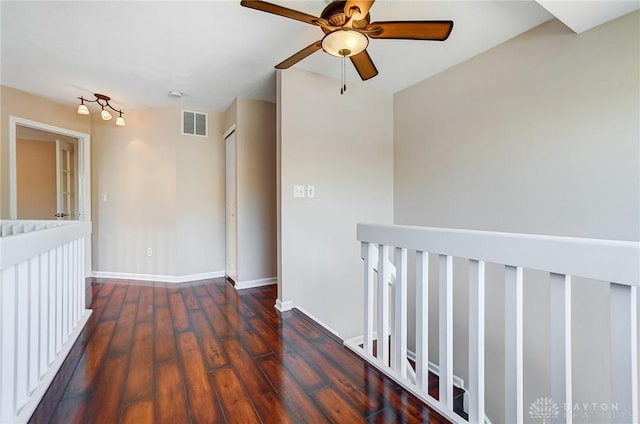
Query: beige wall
(256, 189)
(200, 198)
(24, 105)
(255, 122)
(538, 135)
(343, 145)
(164, 191)
(36, 179)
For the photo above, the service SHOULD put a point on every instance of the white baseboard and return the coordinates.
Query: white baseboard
(283, 306)
(158, 278)
(322, 324)
(240, 285)
(434, 368)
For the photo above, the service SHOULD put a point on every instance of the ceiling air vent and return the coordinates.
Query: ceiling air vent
(194, 123)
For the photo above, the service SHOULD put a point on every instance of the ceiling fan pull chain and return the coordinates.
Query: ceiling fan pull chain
(344, 73)
(342, 76)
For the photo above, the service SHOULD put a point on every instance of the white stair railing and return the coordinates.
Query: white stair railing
(42, 307)
(616, 263)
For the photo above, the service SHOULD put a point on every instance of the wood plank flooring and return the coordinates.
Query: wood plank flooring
(203, 353)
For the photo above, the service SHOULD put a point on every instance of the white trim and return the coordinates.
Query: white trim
(435, 369)
(159, 278)
(322, 324)
(411, 355)
(228, 132)
(241, 285)
(283, 306)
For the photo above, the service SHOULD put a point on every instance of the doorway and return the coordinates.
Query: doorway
(231, 227)
(79, 161)
(69, 158)
(46, 173)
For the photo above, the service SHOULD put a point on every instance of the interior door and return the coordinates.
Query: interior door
(65, 181)
(231, 230)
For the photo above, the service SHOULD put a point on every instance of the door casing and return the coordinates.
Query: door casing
(83, 189)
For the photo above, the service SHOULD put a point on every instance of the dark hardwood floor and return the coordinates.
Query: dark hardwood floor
(203, 353)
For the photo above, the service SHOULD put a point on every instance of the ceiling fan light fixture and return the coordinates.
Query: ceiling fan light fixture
(344, 43)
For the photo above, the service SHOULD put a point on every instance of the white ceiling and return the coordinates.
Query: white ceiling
(212, 51)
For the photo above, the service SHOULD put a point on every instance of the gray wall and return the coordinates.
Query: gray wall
(538, 135)
(343, 145)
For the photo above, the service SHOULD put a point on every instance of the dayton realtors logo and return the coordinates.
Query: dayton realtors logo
(543, 409)
(546, 409)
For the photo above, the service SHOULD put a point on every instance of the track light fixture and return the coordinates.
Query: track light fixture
(103, 102)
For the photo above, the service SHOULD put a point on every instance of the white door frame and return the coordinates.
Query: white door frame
(83, 190)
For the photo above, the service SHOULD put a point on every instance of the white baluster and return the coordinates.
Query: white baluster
(422, 321)
(382, 352)
(476, 340)
(400, 297)
(45, 336)
(53, 306)
(624, 352)
(370, 257)
(8, 329)
(59, 299)
(82, 270)
(561, 381)
(446, 330)
(34, 323)
(22, 334)
(66, 293)
(513, 341)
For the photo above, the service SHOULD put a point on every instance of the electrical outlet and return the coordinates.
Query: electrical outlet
(298, 191)
(149, 251)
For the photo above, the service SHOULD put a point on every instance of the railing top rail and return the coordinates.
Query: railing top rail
(607, 260)
(19, 247)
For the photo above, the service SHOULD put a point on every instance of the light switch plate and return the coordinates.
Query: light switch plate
(311, 191)
(298, 191)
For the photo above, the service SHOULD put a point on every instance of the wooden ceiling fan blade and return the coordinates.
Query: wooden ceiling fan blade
(362, 5)
(411, 30)
(297, 57)
(364, 65)
(283, 11)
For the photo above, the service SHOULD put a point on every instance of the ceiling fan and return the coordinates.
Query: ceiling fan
(347, 26)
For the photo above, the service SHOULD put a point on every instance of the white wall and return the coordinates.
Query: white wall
(343, 145)
(538, 135)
